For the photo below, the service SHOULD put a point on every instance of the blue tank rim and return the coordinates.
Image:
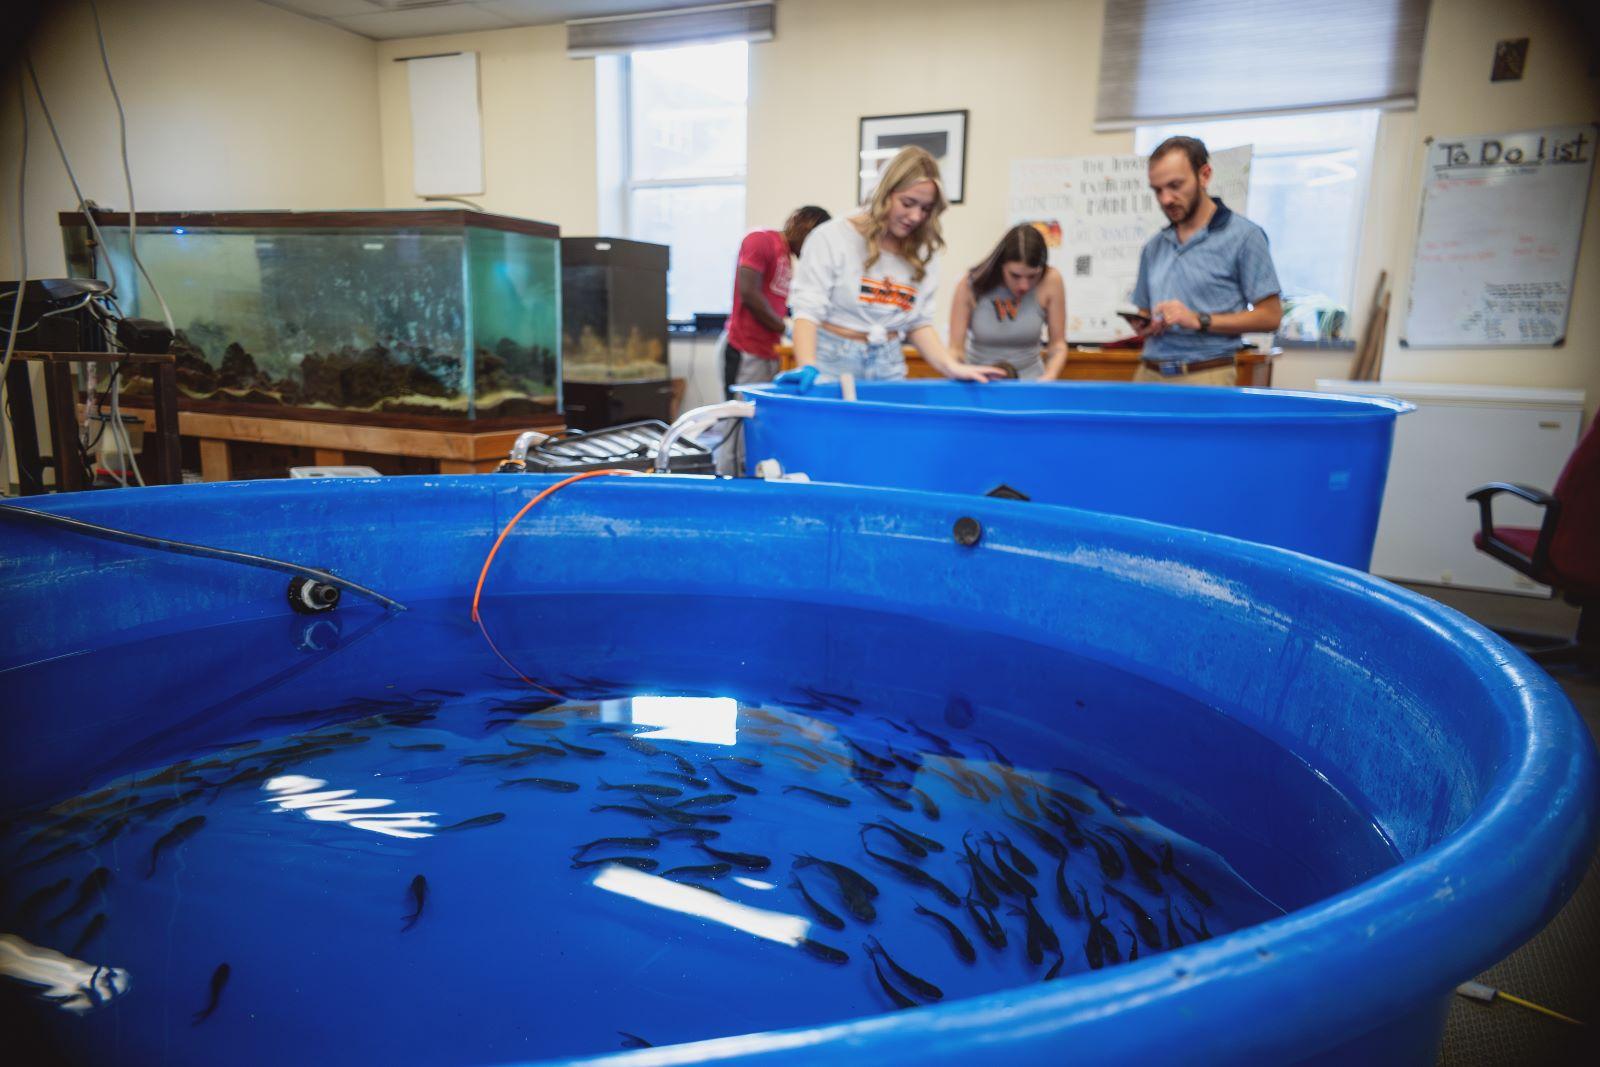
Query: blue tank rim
(1544, 801)
(1337, 408)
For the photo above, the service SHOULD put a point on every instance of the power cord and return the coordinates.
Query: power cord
(22, 262)
(127, 173)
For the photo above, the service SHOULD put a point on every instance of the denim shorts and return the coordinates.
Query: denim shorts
(869, 363)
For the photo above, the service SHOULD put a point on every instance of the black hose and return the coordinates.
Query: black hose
(89, 529)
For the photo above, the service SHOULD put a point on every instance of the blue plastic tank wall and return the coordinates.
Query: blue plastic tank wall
(1296, 470)
(1467, 756)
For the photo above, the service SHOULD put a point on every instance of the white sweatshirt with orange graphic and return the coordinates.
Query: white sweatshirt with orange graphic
(832, 285)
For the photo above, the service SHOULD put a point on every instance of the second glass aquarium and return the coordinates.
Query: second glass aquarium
(444, 314)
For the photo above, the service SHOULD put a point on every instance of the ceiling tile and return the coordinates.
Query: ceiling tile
(423, 22)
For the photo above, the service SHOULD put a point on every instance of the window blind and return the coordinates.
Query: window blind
(749, 21)
(1162, 60)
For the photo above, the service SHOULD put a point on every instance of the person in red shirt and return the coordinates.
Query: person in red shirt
(761, 296)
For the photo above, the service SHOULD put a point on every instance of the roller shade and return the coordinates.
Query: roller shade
(1162, 60)
(753, 21)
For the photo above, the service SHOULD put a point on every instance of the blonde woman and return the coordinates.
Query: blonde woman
(865, 284)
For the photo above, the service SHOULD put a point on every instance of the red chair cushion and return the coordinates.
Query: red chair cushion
(1575, 545)
(1521, 538)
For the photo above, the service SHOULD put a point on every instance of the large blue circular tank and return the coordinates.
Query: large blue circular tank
(1467, 756)
(1296, 470)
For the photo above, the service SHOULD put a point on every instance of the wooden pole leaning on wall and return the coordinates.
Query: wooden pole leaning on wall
(1368, 334)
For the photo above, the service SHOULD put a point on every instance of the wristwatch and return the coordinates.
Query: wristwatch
(1205, 321)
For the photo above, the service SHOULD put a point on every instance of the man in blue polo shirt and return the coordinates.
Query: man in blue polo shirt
(1203, 280)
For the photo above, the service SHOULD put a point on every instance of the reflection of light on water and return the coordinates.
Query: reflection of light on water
(705, 720)
(70, 984)
(753, 883)
(675, 896)
(295, 792)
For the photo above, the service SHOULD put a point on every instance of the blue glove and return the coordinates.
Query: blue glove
(802, 377)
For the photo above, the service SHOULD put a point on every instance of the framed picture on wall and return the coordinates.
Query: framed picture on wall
(942, 133)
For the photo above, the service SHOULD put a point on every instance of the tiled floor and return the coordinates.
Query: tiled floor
(1560, 967)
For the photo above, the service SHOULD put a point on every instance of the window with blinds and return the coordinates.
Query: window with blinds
(1165, 60)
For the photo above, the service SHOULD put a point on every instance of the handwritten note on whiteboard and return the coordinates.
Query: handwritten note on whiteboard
(1096, 213)
(1498, 243)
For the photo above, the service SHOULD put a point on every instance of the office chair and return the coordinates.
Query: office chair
(1563, 553)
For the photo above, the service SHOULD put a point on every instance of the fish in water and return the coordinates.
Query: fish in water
(926, 842)
(746, 860)
(907, 842)
(825, 953)
(826, 798)
(629, 809)
(430, 746)
(441, 692)
(1101, 946)
(1144, 866)
(693, 833)
(1019, 859)
(1111, 864)
(1040, 934)
(1147, 926)
(1055, 968)
(40, 897)
(900, 999)
(824, 916)
(897, 803)
(529, 724)
(1010, 878)
(915, 875)
(616, 842)
(1133, 944)
(704, 870)
(685, 818)
(684, 779)
(1200, 934)
(987, 922)
(633, 1040)
(734, 784)
(955, 783)
(1169, 867)
(709, 800)
(475, 822)
(883, 763)
(638, 863)
(418, 895)
(930, 810)
(920, 986)
(858, 891)
(958, 939)
(743, 761)
(94, 927)
(1111, 802)
(1068, 903)
(522, 755)
(219, 978)
(579, 750)
(554, 785)
(179, 833)
(1174, 939)
(1041, 837)
(538, 750)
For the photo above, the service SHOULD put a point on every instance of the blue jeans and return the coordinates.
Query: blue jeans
(869, 363)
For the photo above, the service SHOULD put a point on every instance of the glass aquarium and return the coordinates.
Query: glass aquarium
(444, 314)
(614, 309)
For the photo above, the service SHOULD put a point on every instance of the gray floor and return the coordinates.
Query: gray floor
(1560, 967)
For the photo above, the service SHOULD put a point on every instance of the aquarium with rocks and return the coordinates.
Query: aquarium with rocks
(444, 315)
(614, 309)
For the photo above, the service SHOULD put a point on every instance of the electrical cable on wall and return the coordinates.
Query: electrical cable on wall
(22, 272)
(127, 174)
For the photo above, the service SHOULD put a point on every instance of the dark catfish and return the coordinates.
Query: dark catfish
(219, 978)
(418, 894)
(178, 834)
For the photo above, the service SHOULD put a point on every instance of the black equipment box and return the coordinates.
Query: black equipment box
(596, 405)
(632, 447)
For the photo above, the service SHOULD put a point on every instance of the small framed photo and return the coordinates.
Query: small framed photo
(942, 133)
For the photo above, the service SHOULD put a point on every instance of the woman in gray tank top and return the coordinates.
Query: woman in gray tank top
(1003, 306)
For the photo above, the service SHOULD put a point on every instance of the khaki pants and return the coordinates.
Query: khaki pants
(1215, 376)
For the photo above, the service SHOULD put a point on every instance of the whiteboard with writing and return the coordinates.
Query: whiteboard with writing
(1096, 213)
(1498, 244)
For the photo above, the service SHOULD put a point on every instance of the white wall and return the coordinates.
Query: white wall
(231, 104)
(538, 122)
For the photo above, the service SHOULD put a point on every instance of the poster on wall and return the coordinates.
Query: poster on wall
(942, 133)
(1497, 245)
(1096, 213)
